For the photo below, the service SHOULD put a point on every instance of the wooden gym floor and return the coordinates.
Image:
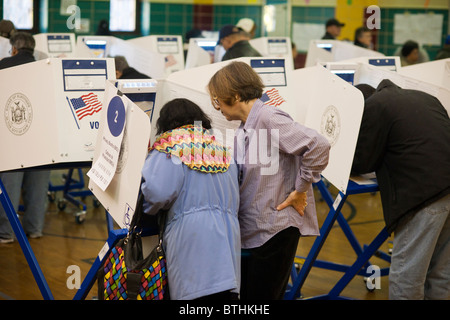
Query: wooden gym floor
(66, 242)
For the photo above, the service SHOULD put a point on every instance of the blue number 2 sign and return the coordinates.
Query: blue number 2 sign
(116, 116)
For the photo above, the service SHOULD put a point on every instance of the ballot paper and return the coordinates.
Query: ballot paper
(102, 172)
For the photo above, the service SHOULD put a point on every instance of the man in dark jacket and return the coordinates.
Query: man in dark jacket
(235, 41)
(22, 49)
(405, 139)
(333, 29)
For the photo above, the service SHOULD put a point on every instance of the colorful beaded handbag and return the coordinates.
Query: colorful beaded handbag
(126, 275)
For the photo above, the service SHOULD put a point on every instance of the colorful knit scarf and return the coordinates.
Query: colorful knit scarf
(195, 147)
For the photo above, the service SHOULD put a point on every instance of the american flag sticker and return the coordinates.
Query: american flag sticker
(272, 98)
(86, 105)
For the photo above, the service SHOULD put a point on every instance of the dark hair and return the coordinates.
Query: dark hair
(366, 90)
(180, 112)
(359, 32)
(408, 47)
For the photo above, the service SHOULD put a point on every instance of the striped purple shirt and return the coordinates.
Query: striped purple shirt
(276, 155)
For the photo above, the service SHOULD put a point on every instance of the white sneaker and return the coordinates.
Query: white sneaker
(6, 240)
(35, 235)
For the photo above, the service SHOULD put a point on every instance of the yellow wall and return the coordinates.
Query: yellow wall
(351, 12)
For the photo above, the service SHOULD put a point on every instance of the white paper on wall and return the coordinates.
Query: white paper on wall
(424, 28)
(303, 33)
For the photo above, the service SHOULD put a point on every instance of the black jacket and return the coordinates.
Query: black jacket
(241, 49)
(22, 57)
(405, 139)
(328, 36)
(131, 73)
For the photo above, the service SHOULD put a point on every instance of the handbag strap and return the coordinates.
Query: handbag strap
(161, 217)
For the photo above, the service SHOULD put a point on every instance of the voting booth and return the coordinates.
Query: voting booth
(56, 120)
(433, 72)
(144, 61)
(372, 76)
(323, 51)
(54, 45)
(275, 47)
(121, 149)
(168, 47)
(49, 124)
(200, 52)
(337, 116)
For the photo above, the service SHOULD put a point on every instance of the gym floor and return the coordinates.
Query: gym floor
(66, 243)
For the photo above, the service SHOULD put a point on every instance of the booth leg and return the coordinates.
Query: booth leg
(318, 243)
(24, 244)
(89, 280)
(359, 263)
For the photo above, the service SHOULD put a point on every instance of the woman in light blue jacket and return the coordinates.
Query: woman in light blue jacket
(192, 177)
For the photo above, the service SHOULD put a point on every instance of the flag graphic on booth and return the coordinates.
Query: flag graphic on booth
(86, 105)
(272, 98)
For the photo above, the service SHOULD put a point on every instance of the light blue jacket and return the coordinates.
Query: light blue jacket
(202, 237)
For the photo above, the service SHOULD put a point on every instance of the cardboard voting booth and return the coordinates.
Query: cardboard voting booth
(54, 45)
(53, 121)
(144, 61)
(181, 85)
(391, 63)
(121, 149)
(323, 51)
(336, 115)
(168, 47)
(275, 47)
(200, 52)
(372, 75)
(434, 72)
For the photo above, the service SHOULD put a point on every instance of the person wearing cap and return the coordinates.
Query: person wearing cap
(248, 25)
(333, 29)
(444, 53)
(235, 42)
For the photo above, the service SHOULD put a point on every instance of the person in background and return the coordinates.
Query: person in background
(404, 138)
(31, 184)
(294, 54)
(409, 53)
(235, 42)
(193, 33)
(248, 25)
(363, 38)
(444, 53)
(195, 185)
(22, 49)
(276, 200)
(7, 29)
(103, 28)
(124, 71)
(332, 29)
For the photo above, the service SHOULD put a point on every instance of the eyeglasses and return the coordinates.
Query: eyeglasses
(215, 103)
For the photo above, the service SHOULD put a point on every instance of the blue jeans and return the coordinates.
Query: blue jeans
(33, 186)
(421, 255)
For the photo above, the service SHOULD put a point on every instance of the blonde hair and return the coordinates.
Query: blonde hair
(237, 80)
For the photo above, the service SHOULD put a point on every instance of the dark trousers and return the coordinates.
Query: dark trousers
(265, 270)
